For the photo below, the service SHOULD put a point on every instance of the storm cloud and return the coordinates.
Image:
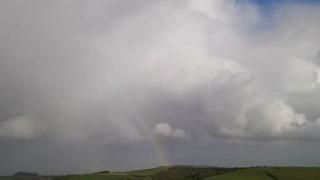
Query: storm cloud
(106, 79)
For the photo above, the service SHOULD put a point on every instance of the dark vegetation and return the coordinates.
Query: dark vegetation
(272, 176)
(21, 173)
(102, 172)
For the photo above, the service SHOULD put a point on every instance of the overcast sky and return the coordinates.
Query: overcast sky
(94, 85)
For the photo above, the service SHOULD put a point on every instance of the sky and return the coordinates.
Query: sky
(119, 85)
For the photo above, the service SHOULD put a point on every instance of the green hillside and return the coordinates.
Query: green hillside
(160, 173)
(191, 173)
(271, 173)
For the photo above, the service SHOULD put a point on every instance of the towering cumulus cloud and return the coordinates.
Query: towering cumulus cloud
(117, 73)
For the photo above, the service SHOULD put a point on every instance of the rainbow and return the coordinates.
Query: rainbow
(161, 152)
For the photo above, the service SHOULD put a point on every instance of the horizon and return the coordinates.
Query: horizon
(119, 85)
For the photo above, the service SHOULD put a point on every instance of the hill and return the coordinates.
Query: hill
(191, 173)
(159, 173)
(271, 173)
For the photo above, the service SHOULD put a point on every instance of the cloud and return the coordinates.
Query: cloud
(20, 127)
(303, 75)
(110, 73)
(164, 129)
(100, 73)
(269, 121)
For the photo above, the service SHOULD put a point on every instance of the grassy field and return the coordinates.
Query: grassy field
(193, 173)
(160, 173)
(271, 173)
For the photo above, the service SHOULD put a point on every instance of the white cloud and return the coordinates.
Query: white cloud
(164, 129)
(23, 127)
(302, 75)
(102, 71)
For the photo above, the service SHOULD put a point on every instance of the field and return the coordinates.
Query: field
(192, 173)
(160, 173)
(271, 173)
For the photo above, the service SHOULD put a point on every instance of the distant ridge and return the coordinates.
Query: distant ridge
(23, 173)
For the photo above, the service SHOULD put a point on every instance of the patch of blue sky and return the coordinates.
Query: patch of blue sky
(268, 8)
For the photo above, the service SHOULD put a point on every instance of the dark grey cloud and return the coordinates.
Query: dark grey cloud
(133, 84)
